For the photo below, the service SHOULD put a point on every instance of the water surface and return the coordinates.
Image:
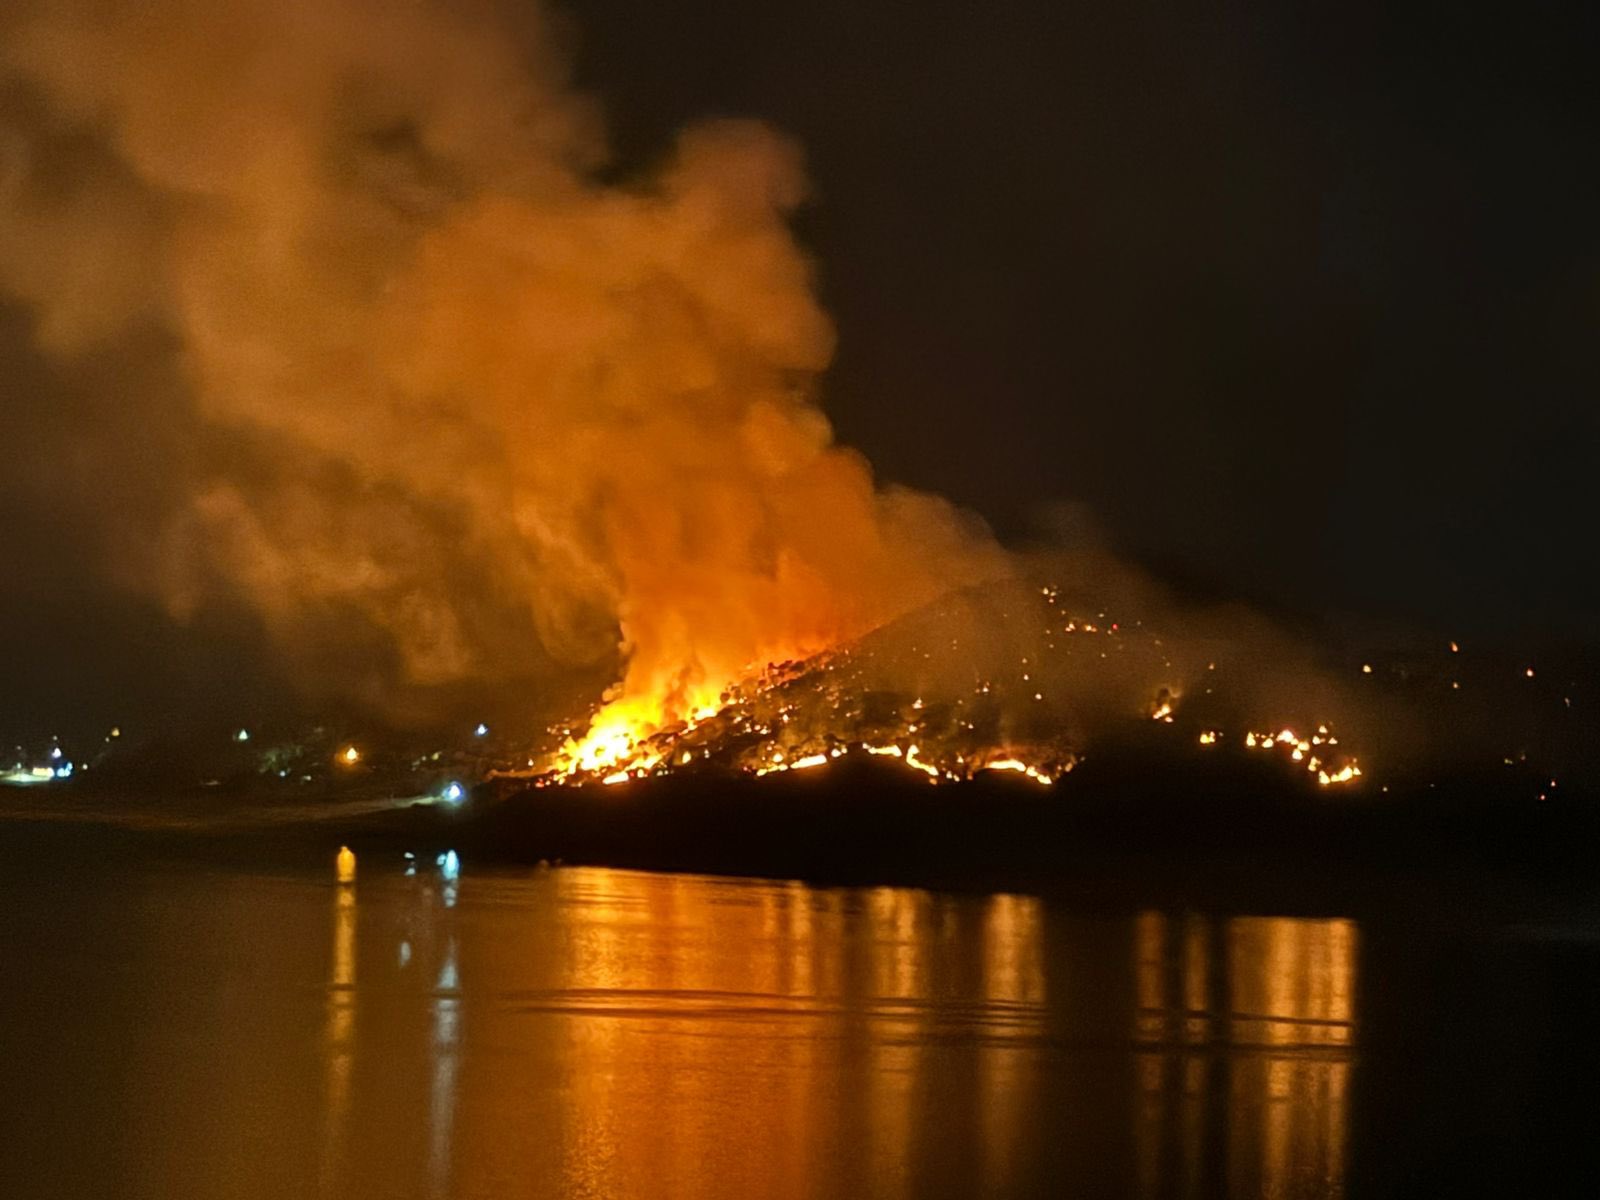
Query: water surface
(184, 1030)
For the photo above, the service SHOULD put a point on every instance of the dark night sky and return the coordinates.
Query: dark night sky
(1299, 302)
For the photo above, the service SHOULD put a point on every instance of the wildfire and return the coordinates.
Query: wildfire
(618, 743)
(614, 739)
(1014, 764)
(801, 715)
(1311, 752)
(1162, 710)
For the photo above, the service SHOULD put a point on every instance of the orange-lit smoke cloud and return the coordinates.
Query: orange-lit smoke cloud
(472, 395)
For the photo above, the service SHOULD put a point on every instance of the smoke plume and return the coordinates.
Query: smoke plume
(442, 390)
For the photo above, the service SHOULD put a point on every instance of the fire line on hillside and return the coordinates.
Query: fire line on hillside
(801, 715)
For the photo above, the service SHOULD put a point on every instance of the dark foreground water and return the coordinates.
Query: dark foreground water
(183, 1030)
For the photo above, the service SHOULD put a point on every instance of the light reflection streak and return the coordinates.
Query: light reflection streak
(899, 988)
(635, 1036)
(1014, 981)
(339, 1033)
(446, 1063)
(1279, 993)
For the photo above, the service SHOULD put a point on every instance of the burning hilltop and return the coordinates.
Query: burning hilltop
(1010, 677)
(446, 398)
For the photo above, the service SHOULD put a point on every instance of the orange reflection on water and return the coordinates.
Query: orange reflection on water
(704, 1037)
(1014, 984)
(608, 1033)
(339, 1033)
(1278, 995)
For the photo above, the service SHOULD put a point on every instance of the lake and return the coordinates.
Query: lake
(187, 1029)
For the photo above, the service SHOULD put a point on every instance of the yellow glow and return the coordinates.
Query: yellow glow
(344, 865)
(604, 745)
(615, 741)
(1299, 752)
(913, 761)
(350, 756)
(1344, 775)
(1016, 764)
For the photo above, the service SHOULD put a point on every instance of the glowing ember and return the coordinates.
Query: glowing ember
(800, 764)
(1300, 751)
(1013, 764)
(917, 764)
(1344, 775)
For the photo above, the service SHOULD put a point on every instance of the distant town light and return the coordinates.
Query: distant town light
(454, 793)
(242, 736)
(481, 731)
(351, 756)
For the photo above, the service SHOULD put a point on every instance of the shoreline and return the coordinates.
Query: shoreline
(1114, 831)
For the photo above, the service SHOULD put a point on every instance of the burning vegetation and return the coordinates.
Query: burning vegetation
(445, 398)
(1009, 678)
